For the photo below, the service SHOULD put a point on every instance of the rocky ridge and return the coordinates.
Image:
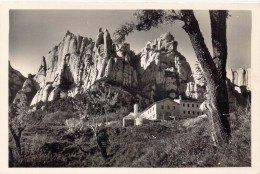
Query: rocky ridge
(164, 72)
(27, 92)
(77, 64)
(16, 80)
(241, 79)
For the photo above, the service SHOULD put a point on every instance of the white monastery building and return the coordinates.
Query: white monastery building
(161, 110)
(189, 108)
(164, 110)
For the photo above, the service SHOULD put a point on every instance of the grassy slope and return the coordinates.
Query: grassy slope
(155, 145)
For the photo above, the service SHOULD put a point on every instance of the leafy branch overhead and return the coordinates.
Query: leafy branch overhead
(145, 20)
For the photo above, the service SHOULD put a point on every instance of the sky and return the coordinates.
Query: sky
(33, 33)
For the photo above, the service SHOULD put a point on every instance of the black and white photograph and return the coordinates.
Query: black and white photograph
(129, 88)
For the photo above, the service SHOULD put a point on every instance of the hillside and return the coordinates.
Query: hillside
(183, 143)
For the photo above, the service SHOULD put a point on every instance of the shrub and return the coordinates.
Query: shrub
(58, 117)
(74, 125)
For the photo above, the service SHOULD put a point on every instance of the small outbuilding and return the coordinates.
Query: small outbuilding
(129, 120)
(140, 121)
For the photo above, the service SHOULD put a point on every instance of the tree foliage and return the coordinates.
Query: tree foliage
(145, 20)
(18, 121)
(92, 109)
(123, 31)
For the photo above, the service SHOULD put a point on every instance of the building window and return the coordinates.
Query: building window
(154, 116)
(188, 112)
(197, 105)
(153, 108)
(162, 107)
(148, 111)
(184, 112)
(198, 113)
(202, 113)
(188, 105)
(168, 107)
(192, 105)
(174, 107)
(193, 113)
(183, 104)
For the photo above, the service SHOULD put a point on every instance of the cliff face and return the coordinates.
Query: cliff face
(241, 79)
(164, 72)
(25, 95)
(16, 80)
(77, 63)
(197, 89)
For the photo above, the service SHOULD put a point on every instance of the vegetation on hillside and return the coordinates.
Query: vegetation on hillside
(62, 139)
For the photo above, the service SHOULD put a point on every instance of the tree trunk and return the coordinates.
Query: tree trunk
(17, 139)
(214, 72)
(101, 147)
(218, 115)
(11, 158)
(219, 43)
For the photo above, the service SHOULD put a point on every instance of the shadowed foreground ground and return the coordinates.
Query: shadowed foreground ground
(170, 144)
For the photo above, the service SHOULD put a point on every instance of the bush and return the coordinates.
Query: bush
(74, 125)
(58, 117)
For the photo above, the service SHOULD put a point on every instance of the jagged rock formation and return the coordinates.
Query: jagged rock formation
(197, 89)
(77, 63)
(25, 95)
(238, 87)
(241, 79)
(164, 72)
(16, 80)
(238, 81)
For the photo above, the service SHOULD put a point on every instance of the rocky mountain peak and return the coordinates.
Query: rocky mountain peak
(77, 63)
(165, 44)
(163, 64)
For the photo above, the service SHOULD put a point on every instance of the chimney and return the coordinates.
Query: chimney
(180, 97)
(135, 109)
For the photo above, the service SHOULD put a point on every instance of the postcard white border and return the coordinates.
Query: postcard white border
(255, 62)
